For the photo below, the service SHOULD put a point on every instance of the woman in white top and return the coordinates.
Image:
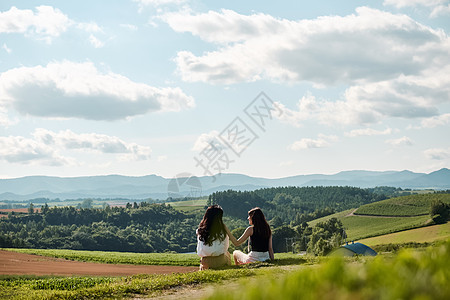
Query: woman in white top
(212, 240)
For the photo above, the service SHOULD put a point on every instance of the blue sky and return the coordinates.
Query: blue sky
(137, 87)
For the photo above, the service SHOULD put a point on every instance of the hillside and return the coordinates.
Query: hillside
(157, 187)
(387, 216)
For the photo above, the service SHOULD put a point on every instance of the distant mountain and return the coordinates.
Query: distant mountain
(157, 187)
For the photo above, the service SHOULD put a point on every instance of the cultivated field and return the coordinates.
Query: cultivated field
(426, 234)
(167, 259)
(405, 206)
(387, 216)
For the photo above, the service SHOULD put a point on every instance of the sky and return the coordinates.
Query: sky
(262, 88)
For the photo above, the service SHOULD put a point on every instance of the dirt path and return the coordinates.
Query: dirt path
(13, 263)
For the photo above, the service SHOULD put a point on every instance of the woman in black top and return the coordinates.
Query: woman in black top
(260, 242)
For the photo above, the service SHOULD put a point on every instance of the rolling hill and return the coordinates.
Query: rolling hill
(387, 216)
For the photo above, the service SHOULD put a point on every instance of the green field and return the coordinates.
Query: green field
(412, 205)
(387, 216)
(195, 202)
(360, 227)
(189, 205)
(426, 234)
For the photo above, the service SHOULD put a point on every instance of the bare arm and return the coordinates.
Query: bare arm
(248, 232)
(271, 249)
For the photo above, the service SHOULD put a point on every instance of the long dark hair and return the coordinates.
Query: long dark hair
(260, 225)
(211, 227)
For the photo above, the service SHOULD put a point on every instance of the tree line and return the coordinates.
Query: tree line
(145, 227)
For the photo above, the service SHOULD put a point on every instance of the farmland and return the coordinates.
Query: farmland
(426, 234)
(169, 259)
(406, 206)
(387, 216)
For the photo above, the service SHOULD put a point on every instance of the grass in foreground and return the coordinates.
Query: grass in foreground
(20, 287)
(412, 274)
(47, 287)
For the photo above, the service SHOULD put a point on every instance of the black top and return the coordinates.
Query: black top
(259, 243)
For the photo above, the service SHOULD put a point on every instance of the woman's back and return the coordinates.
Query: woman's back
(259, 242)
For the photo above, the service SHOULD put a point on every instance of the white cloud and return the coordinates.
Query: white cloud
(436, 121)
(96, 42)
(90, 27)
(327, 50)
(394, 66)
(45, 23)
(92, 142)
(405, 97)
(162, 158)
(129, 27)
(5, 47)
(437, 153)
(286, 163)
(17, 149)
(368, 132)
(45, 146)
(158, 2)
(205, 140)
(323, 141)
(403, 141)
(78, 90)
(437, 7)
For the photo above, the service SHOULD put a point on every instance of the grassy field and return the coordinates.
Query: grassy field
(410, 274)
(189, 205)
(426, 234)
(412, 205)
(360, 227)
(387, 216)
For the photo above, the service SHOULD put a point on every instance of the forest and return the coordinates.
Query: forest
(150, 227)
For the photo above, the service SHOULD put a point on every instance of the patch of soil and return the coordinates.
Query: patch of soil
(13, 263)
(19, 210)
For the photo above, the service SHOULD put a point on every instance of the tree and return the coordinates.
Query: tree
(87, 203)
(276, 222)
(279, 236)
(31, 209)
(325, 236)
(44, 208)
(439, 211)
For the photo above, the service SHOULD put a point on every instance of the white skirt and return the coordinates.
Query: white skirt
(253, 256)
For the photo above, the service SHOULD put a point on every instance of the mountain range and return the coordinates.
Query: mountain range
(157, 187)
